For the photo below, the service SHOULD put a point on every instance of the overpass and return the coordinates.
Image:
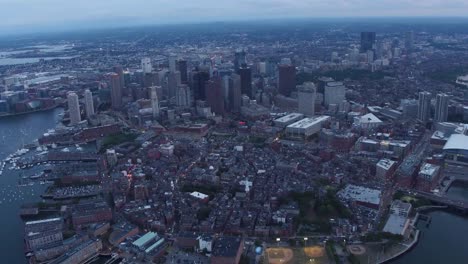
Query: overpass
(443, 200)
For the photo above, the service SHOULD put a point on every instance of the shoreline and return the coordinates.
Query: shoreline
(408, 248)
(29, 112)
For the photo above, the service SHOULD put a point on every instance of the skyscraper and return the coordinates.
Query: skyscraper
(116, 91)
(239, 59)
(214, 95)
(173, 82)
(119, 70)
(367, 41)
(235, 94)
(74, 108)
(424, 106)
(89, 104)
(409, 40)
(146, 65)
(306, 98)
(154, 101)
(245, 74)
(286, 79)
(441, 108)
(183, 71)
(199, 81)
(172, 62)
(183, 96)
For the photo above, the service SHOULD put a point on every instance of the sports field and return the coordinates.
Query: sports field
(312, 254)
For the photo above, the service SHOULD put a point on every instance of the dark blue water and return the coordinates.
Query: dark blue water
(14, 132)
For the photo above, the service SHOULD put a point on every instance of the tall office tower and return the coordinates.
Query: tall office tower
(409, 41)
(214, 95)
(183, 96)
(116, 91)
(235, 94)
(74, 108)
(172, 62)
(245, 74)
(239, 59)
(306, 98)
(154, 101)
(183, 71)
(367, 41)
(286, 79)
(89, 104)
(441, 108)
(262, 67)
(146, 65)
(199, 81)
(424, 106)
(173, 82)
(334, 93)
(150, 79)
(119, 70)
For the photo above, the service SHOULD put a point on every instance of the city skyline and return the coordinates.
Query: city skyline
(50, 15)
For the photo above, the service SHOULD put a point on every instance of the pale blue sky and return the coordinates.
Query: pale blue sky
(25, 13)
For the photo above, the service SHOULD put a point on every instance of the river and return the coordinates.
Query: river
(445, 239)
(14, 132)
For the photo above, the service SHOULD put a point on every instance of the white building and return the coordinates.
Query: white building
(146, 65)
(307, 126)
(166, 149)
(398, 220)
(154, 101)
(424, 106)
(441, 108)
(334, 93)
(368, 121)
(306, 98)
(89, 103)
(288, 119)
(74, 108)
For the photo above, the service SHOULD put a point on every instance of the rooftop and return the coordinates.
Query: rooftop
(457, 141)
(288, 118)
(145, 239)
(307, 122)
(360, 194)
(385, 163)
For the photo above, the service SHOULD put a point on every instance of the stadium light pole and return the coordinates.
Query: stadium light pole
(305, 241)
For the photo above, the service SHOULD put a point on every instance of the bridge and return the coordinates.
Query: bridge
(443, 200)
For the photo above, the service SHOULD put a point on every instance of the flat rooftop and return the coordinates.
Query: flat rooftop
(307, 122)
(385, 163)
(288, 118)
(457, 141)
(360, 194)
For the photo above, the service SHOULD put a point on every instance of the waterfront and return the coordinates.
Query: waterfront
(14, 132)
(443, 241)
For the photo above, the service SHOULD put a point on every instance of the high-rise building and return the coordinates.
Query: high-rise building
(173, 82)
(74, 108)
(198, 83)
(306, 98)
(235, 94)
(367, 41)
(245, 74)
(239, 59)
(214, 95)
(89, 104)
(424, 106)
(146, 65)
(441, 108)
(286, 79)
(409, 40)
(116, 91)
(334, 93)
(119, 70)
(183, 71)
(172, 62)
(183, 96)
(154, 101)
